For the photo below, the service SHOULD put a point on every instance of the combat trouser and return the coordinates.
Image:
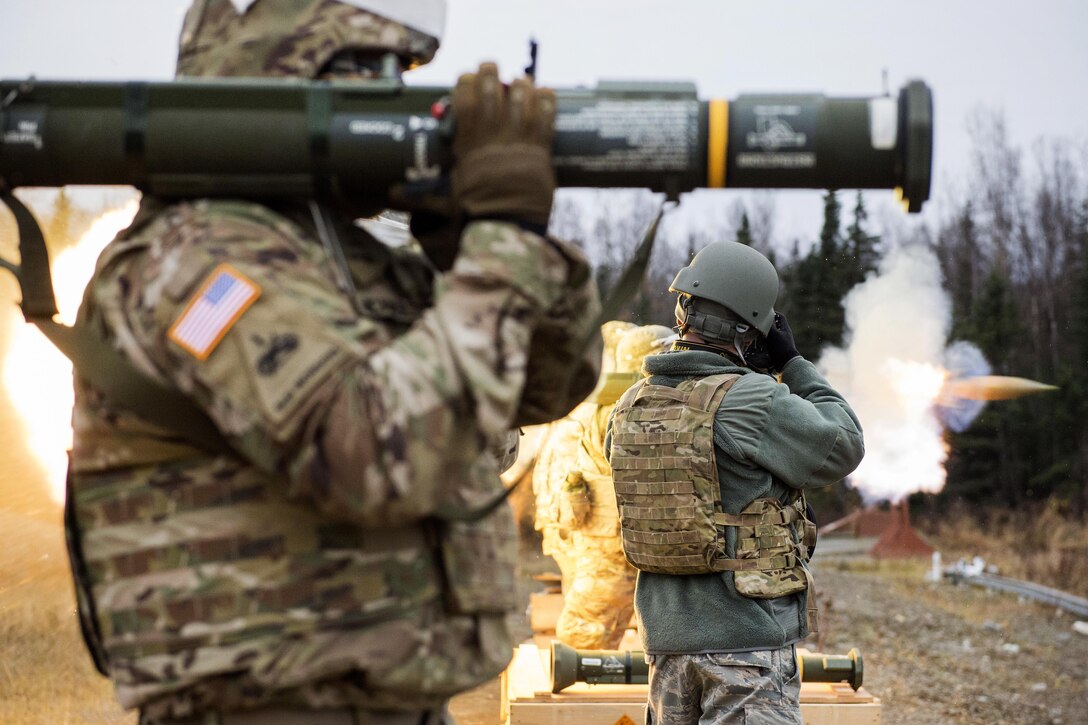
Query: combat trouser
(739, 688)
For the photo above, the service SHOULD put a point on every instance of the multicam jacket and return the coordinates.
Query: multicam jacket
(769, 437)
(324, 559)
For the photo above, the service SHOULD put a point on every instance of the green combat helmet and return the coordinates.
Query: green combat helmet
(307, 38)
(636, 344)
(727, 294)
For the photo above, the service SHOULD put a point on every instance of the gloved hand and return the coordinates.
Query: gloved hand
(780, 344)
(502, 148)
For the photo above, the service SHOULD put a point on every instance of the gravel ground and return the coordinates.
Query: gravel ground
(944, 653)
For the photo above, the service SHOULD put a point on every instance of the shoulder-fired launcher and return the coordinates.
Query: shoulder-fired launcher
(355, 140)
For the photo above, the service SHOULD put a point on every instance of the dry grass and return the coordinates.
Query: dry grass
(1044, 546)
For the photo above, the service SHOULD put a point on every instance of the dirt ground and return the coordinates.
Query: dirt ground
(940, 653)
(933, 653)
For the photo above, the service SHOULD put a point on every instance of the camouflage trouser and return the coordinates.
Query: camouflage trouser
(598, 605)
(745, 688)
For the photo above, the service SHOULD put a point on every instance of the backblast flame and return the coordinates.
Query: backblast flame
(37, 377)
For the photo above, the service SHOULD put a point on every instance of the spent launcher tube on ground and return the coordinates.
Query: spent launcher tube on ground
(618, 667)
(268, 138)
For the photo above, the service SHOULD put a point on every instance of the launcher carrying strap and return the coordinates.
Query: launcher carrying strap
(785, 516)
(92, 359)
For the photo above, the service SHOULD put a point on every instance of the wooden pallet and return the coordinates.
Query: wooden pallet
(526, 699)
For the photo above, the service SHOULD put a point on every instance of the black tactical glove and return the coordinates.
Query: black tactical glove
(780, 344)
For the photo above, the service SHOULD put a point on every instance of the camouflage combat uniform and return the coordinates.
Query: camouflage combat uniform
(599, 601)
(311, 565)
(558, 466)
(725, 688)
(552, 515)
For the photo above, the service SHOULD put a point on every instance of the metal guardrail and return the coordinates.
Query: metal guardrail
(1046, 595)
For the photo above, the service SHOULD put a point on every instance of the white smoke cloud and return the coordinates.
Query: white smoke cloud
(892, 368)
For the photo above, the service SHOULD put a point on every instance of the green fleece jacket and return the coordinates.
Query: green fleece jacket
(769, 437)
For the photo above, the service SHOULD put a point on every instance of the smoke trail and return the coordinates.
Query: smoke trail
(892, 370)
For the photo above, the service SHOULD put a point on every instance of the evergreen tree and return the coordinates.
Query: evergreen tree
(1073, 416)
(816, 286)
(861, 251)
(744, 233)
(994, 326)
(831, 232)
(961, 260)
(984, 462)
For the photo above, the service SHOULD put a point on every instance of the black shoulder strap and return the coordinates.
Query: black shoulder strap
(92, 358)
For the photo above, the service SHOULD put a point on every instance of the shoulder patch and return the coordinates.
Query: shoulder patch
(225, 294)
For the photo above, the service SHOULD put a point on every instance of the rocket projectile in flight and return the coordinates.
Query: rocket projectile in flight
(994, 387)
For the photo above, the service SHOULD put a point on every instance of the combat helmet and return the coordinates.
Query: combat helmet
(303, 38)
(636, 344)
(727, 295)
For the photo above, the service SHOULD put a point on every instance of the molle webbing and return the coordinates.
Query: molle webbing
(745, 518)
(232, 566)
(666, 476)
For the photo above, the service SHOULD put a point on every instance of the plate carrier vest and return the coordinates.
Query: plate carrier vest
(666, 477)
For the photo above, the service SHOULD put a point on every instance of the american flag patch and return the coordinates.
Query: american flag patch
(221, 300)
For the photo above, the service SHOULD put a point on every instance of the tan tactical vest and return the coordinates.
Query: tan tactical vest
(666, 478)
(191, 565)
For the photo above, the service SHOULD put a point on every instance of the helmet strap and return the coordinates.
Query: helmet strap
(709, 327)
(713, 330)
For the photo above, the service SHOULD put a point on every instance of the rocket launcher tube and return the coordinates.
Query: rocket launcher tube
(353, 140)
(596, 667)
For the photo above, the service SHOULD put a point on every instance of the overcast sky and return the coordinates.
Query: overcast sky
(1028, 58)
